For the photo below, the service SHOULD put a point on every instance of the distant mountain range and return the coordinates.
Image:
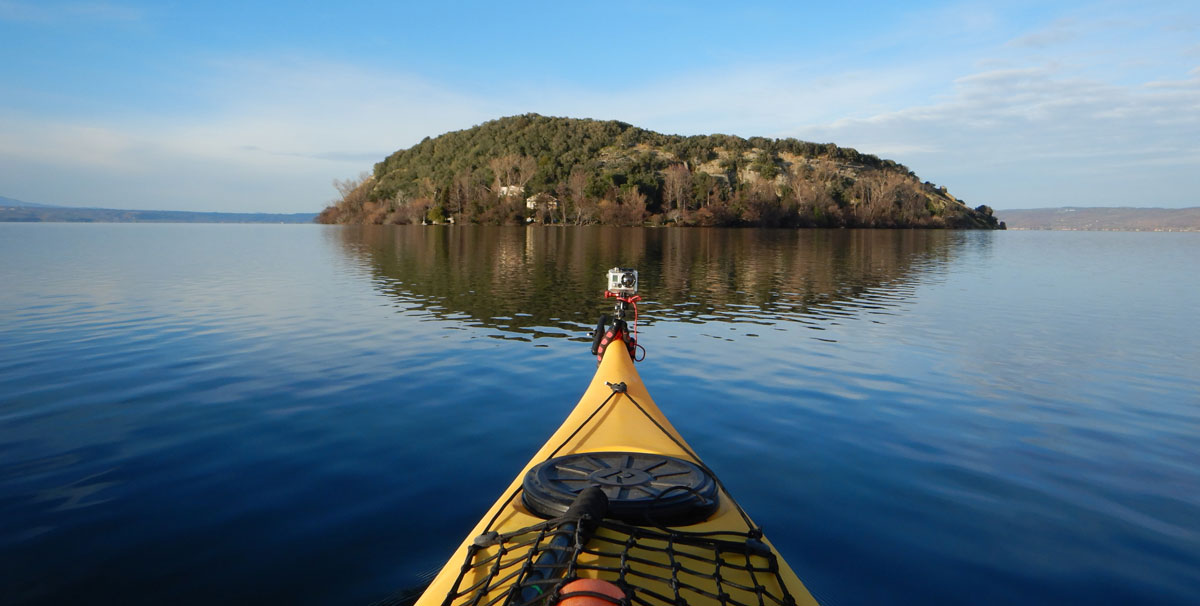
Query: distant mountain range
(10, 202)
(1103, 219)
(12, 210)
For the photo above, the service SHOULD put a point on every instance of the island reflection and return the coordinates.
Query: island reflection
(529, 282)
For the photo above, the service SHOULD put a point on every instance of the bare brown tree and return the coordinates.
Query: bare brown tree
(463, 191)
(577, 188)
(523, 169)
(500, 172)
(512, 170)
(677, 190)
(347, 186)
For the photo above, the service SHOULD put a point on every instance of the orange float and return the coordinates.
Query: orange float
(573, 593)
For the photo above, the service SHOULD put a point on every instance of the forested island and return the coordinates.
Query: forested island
(533, 168)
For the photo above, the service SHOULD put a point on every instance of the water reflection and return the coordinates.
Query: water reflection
(546, 281)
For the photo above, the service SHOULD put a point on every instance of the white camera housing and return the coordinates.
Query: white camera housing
(623, 281)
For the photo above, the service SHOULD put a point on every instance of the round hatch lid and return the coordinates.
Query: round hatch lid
(642, 488)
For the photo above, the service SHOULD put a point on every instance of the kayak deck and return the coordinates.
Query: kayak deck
(661, 567)
(721, 559)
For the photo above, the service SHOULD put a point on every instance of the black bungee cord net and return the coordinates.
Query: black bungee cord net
(653, 565)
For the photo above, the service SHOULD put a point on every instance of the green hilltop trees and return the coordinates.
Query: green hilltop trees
(610, 172)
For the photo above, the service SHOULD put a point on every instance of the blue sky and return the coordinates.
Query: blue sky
(244, 106)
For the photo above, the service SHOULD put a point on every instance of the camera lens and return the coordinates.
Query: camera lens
(627, 280)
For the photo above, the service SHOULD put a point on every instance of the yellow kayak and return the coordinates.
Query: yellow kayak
(616, 494)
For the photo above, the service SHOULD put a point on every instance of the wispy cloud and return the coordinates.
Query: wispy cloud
(766, 100)
(1060, 32)
(58, 12)
(1058, 132)
(275, 134)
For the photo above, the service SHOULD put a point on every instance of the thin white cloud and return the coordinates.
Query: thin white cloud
(58, 12)
(276, 134)
(323, 109)
(1060, 135)
(81, 145)
(1061, 32)
(762, 100)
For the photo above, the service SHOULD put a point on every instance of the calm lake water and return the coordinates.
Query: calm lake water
(248, 414)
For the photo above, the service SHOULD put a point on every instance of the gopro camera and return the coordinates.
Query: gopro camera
(622, 281)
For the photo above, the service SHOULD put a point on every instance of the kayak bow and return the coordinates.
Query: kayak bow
(616, 494)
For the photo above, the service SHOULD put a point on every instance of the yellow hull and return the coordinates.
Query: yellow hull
(608, 420)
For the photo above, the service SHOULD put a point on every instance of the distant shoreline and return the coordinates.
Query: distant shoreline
(1103, 219)
(1028, 219)
(63, 214)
